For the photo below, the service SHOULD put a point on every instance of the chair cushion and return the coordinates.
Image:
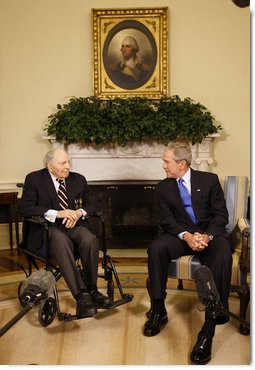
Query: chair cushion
(184, 268)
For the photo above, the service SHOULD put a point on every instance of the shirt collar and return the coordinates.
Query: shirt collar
(186, 177)
(54, 178)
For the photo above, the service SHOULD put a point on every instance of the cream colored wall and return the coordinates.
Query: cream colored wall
(46, 57)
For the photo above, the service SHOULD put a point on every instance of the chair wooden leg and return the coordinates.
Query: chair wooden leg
(180, 284)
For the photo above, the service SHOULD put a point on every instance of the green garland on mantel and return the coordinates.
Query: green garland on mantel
(90, 120)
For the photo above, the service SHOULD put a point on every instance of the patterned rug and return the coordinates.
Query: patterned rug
(130, 277)
(114, 337)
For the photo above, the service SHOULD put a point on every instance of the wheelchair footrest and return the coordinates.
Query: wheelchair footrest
(62, 316)
(125, 299)
(66, 317)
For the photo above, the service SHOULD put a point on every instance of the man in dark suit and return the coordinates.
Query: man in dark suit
(193, 223)
(64, 199)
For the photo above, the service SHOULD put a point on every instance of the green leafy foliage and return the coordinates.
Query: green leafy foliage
(119, 121)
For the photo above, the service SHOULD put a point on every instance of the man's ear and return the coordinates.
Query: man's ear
(183, 163)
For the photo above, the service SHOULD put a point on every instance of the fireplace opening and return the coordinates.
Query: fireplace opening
(129, 212)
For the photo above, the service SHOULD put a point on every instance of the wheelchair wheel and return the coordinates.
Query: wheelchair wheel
(110, 290)
(21, 301)
(47, 311)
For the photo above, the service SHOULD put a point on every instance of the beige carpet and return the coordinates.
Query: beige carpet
(114, 337)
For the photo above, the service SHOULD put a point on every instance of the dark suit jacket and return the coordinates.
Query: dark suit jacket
(208, 203)
(39, 195)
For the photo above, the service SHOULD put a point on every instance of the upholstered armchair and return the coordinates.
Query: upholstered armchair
(236, 195)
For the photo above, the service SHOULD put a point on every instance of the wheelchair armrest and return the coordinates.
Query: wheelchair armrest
(27, 221)
(98, 214)
(38, 220)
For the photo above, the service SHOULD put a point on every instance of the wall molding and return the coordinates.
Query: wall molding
(140, 161)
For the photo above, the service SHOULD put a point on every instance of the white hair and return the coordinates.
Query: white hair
(132, 42)
(49, 157)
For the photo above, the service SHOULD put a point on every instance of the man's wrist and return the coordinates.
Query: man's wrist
(186, 236)
(83, 212)
(181, 235)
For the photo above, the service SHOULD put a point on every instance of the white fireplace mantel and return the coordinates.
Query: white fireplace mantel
(141, 161)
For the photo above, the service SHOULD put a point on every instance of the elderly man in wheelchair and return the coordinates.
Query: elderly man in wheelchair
(63, 200)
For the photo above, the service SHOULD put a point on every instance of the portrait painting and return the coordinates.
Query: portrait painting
(130, 52)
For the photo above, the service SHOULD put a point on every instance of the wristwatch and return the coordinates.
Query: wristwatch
(210, 236)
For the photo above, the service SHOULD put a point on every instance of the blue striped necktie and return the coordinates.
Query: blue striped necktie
(186, 200)
(62, 196)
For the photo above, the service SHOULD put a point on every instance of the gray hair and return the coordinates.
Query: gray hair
(182, 150)
(133, 43)
(49, 156)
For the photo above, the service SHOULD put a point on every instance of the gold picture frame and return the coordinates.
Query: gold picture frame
(144, 30)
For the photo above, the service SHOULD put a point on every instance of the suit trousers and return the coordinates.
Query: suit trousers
(217, 256)
(66, 245)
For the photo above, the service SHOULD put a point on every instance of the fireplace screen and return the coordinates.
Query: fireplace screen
(130, 214)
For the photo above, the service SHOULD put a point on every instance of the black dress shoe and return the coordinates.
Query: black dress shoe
(85, 306)
(152, 326)
(100, 300)
(201, 353)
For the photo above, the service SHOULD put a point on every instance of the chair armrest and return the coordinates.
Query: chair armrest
(243, 225)
(243, 228)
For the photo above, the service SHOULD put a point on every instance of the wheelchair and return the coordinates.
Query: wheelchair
(49, 307)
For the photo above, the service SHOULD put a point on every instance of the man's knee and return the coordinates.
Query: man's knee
(93, 241)
(223, 248)
(59, 241)
(89, 240)
(227, 254)
(157, 247)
